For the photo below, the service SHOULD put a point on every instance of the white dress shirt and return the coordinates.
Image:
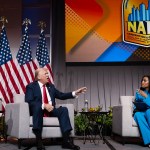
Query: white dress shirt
(48, 95)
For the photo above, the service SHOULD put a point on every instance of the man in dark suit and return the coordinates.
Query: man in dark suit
(41, 95)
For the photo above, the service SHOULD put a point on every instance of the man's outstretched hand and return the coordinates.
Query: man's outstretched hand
(80, 90)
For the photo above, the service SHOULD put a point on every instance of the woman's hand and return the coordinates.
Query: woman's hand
(142, 93)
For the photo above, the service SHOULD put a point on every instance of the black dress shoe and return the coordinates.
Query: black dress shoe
(70, 145)
(40, 148)
(76, 147)
(40, 145)
(39, 142)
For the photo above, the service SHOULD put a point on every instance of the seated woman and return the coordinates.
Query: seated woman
(142, 117)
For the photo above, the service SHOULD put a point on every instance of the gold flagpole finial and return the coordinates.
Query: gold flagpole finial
(42, 25)
(3, 20)
(26, 22)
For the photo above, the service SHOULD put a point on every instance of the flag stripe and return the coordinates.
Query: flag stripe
(15, 76)
(50, 70)
(32, 63)
(30, 70)
(50, 73)
(6, 83)
(20, 72)
(25, 74)
(18, 76)
(35, 65)
(11, 78)
(4, 94)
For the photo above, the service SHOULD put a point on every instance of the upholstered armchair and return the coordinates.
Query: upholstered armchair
(19, 121)
(123, 123)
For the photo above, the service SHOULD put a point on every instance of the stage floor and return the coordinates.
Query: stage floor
(49, 145)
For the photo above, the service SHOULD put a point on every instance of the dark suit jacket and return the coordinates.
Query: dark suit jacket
(33, 94)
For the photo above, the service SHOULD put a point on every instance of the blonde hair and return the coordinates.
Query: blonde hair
(37, 71)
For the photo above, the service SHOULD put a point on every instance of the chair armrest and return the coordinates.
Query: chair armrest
(17, 119)
(122, 120)
(71, 114)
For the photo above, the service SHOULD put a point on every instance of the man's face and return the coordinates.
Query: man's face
(43, 76)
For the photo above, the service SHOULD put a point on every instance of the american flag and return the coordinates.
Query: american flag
(42, 54)
(24, 57)
(9, 74)
(16, 73)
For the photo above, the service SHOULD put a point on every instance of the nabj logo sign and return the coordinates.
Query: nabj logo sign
(136, 22)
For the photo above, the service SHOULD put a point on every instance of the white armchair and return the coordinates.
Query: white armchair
(123, 123)
(19, 121)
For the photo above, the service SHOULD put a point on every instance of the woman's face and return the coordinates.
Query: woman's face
(145, 83)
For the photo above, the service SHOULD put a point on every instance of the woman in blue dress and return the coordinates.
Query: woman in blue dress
(142, 118)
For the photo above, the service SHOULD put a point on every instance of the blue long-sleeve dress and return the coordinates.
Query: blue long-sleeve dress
(143, 118)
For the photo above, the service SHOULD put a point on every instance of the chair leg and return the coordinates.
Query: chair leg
(71, 140)
(19, 143)
(123, 141)
(5, 138)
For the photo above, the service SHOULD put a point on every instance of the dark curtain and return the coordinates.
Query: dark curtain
(58, 35)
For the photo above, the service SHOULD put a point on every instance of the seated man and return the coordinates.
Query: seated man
(41, 95)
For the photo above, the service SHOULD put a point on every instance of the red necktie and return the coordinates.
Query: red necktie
(46, 113)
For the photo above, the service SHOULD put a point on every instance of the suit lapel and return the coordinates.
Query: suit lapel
(50, 93)
(38, 90)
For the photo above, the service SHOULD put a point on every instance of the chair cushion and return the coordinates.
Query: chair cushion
(127, 100)
(134, 124)
(19, 98)
(48, 121)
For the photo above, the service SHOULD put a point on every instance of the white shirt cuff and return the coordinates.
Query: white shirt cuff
(74, 94)
(43, 106)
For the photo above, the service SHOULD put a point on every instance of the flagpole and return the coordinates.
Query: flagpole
(42, 25)
(26, 22)
(4, 21)
(50, 45)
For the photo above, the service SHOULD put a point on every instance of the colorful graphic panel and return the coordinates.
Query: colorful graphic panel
(94, 32)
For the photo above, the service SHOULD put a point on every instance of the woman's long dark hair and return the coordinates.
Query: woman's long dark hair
(149, 83)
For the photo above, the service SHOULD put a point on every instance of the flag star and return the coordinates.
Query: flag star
(24, 52)
(5, 53)
(42, 54)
